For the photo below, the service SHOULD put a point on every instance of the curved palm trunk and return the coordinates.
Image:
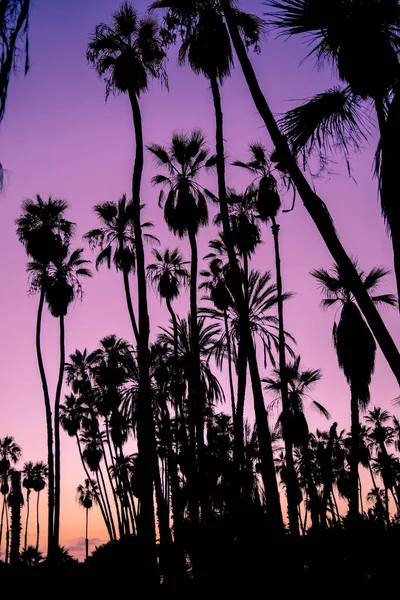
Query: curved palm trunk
(28, 494)
(57, 449)
(49, 425)
(291, 481)
(266, 454)
(130, 305)
(145, 426)
(313, 204)
(354, 457)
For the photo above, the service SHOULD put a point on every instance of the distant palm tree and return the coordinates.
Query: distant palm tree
(62, 286)
(40, 475)
(116, 239)
(127, 55)
(10, 453)
(87, 496)
(27, 483)
(42, 229)
(355, 348)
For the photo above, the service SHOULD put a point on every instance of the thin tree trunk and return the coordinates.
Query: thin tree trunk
(15, 517)
(311, 488)
(130, 305)
(120, 510)
(327, 474)
(241, 397)
(49, 425)
(57, 449)
(145, 426)
(228, 347)
(7, 553)
(291, 483)
(87, 534)
(354, 457)
(101, 483)
(37, 521)
(313, 204)
(2, 520)
(360, 492)
(28, 493)
(119, 520)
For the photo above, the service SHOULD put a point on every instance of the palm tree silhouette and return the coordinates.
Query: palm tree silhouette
(40, 474)
(42, 229)
(116, 240)
(313, 204)
(10, 453)
(62, 287)
(27, 483)
(367, 63)
(86, 497)
(127, 55)
(355, 348)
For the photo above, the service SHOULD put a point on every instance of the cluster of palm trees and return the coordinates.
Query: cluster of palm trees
(33, 477)
(159, 459)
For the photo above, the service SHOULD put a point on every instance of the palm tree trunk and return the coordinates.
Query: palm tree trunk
(313, 204)
(7, 553)
(360, 492)
(241, 397)
(291, 482)
(57, 449)
(195, 383)
(15, 517)
(49, 425)
(230, 374)
(2, 520)
(119, 520)
(130, 305)
(311, 487)
(145, 426)
(273, 505)
(87, 535)
(37, 521)
(28, 493)
(327, 474)
(354, 457)
(103, 490)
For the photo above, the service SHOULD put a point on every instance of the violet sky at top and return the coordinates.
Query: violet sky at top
(59, 137)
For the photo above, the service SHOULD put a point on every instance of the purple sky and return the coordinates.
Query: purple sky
(59, 137)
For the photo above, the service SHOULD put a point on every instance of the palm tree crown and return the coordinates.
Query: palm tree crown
(168, 273)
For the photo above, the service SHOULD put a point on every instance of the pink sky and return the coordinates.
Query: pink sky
(59, 137)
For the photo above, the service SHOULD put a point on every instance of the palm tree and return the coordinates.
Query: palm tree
(116, 240)
(313, 204)
(127, 55)
(14, 25)
(27, 483)
(300, 383)
(40, 474)
(10, 453)
(15, 501)
(42, 229)
(367, 63)
(63, 286)
(267, 202)
(86, 497)
(185, 211)
(355, 348)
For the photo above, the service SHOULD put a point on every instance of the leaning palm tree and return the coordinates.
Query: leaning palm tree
(63, 286)
(42, 228)
(366, 61)
(86, 497)
(355, 348)
(127, 55)
(185, 211)
(116, 240)
(313, 204)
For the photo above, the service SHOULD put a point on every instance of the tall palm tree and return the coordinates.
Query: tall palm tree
(313, 204)
(63, 286)
(300, 383)
(15, 501)
(10, 453)
(40, 475)
(355, 348)
(42, 228)
(185, 211)
(86, 497)
(116, 240)
(267, 203)
(127, 55)
(27, 483)
(366, 60)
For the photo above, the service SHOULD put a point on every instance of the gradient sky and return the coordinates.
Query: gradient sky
(59, 137)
